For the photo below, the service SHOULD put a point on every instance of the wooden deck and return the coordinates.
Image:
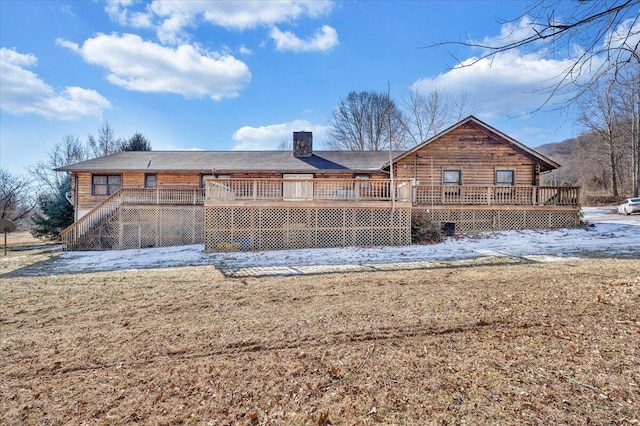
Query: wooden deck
(284, 213)
(378, 190)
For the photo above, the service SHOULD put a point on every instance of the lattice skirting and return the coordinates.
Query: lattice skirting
(147, 226)
(493, 220)
(272, 228)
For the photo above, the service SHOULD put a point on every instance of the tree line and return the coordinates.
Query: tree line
(605, 158)
(40, 200)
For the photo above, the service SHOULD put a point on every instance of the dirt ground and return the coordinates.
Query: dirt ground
(554, 343)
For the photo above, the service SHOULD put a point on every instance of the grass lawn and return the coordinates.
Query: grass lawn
(554, 343)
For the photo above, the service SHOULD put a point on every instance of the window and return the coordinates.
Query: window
(150, 180)
(362, 186)
(505, 177)
(105, 184)
(451, 177)
(297, 186)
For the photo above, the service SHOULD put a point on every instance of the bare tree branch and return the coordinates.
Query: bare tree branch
(596, 38)
(363, 122)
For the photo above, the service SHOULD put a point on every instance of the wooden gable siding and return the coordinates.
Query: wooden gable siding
(477, 153)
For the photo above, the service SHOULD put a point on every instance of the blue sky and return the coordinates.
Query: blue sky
(244, 75)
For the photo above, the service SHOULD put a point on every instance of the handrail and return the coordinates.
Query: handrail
(497, 195)
(145, 196)
(322, 190)
(223, 189)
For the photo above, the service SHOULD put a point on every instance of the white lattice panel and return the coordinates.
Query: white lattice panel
(147, 226)
(272, 228)
(493, 220)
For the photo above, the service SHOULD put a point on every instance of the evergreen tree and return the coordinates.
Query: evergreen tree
(137, 142)
(55, 212)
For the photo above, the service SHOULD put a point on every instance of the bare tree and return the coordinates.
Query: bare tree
(428, 114)
(285, 144)
(599, 115)
(16, 200)
(106, 143)
(68, 151)
(599, 39)
(629, 96)
(366, 121)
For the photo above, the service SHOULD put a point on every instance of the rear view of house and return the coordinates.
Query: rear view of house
(470, 174)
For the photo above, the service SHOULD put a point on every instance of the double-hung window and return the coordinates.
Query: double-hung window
(505, 178)
(504, 194)
(150, 180)
(452, 178)
(105, 184)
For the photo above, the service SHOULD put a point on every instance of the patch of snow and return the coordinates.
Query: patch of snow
(612, 239)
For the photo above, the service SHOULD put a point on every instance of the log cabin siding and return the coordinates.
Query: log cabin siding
(472, 151)
(177, 180)
(86, 200)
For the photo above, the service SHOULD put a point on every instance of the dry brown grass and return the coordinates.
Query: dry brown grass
(529, 344)
(22, 238)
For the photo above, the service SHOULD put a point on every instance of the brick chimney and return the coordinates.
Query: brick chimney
(302, 144)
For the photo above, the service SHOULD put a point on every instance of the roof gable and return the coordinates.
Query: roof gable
(547, 163)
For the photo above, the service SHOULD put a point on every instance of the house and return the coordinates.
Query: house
(470, 174)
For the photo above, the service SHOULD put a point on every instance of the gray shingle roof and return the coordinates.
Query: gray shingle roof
(233, 161)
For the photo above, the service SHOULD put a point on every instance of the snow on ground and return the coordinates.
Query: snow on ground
(611, 235)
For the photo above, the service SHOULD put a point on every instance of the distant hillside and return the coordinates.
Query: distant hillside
(559, 152)
(585, 162)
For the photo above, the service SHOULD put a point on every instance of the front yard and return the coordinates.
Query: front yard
(552, 343)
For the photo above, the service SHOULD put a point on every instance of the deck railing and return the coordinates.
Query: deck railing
(497, 195)
(307, 190)
(171, 196)
(357, 190)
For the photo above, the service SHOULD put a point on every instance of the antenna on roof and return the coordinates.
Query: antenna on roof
(149, 163)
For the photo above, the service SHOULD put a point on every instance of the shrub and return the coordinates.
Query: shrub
(54, 213)
(225, 246)
(423, 230)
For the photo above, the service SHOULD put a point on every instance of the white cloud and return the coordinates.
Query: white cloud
(172, 17)
(518, 81)
(118, 11)
(512, 32)
(507, 84)
(243, 50)
(23, 92)
(268, 137)
(139, 65)
(626, 35)
(323, 40)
